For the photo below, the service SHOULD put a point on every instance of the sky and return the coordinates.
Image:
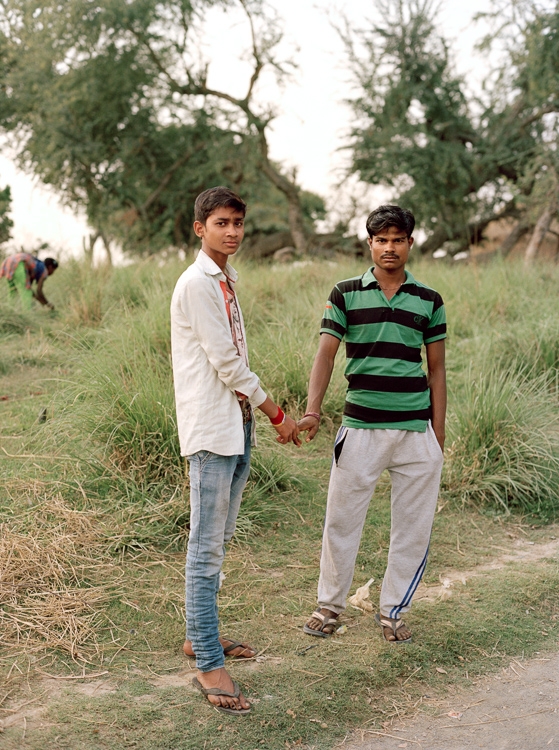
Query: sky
(312, 120)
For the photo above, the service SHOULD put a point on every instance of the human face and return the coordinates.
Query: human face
(390, 249)
(222, 234)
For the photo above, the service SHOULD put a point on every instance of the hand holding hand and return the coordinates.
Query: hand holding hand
(310, 424)
(287, 432)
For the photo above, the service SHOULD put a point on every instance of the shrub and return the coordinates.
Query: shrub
(504, 443)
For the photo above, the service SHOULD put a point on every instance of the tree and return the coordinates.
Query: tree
(459, 161)
(6, 223)
(110, 104)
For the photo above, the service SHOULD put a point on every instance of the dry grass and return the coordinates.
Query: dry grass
(59, 576)
(52, 564)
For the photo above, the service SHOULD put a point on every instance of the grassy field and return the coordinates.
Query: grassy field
(94, 517)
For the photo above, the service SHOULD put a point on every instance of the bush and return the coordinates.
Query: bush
(504, 443)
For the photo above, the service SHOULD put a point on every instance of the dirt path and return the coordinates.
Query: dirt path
(515, 710)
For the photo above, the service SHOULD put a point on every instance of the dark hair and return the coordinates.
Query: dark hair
(384, 217)
(217, 197)
(50, 263)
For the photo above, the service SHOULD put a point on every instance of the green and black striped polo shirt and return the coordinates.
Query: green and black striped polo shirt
(387, 386)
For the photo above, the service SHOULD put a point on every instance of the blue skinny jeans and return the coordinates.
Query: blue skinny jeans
(216, 487)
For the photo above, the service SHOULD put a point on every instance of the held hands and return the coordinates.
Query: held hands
(310, 424)
(288, 432)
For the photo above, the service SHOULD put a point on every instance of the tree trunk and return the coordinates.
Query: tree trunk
(107, 246)
(470, 235)
(540, 230)
(90, 247)
(289, 189)
(512, 238)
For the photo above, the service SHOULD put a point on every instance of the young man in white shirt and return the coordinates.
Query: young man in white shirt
(215, 394)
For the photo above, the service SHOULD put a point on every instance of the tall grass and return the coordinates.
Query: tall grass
(13, 319)
(503, 449)
(117, 416)
(284, 309)
(504, 443)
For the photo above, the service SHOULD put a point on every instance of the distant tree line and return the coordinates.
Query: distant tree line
(109, 103)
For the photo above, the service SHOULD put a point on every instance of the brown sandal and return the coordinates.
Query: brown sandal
(384, 622)
(216, 691)
(326, 622)
(232, 645)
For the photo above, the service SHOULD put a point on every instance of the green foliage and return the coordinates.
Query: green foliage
(6, 223)
(126, 397)
(504, 443)
(98, 526)
(456, 159)
(414, 132)
(13, 319)
(101, 111)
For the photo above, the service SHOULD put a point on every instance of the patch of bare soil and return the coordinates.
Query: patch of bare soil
(514, 710)
(522, 551)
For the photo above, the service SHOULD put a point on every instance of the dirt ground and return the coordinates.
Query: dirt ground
(515, 710)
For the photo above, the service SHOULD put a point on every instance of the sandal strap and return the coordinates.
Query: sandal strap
(393, 626)
(233, 645)
(217, 691)
(325, 620)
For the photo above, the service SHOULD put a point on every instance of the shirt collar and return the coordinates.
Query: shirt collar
(369, 279)
(210, 267)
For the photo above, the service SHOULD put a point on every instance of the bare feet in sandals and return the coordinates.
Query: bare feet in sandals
(232, 648)
(221, 691)
(393, 630)
(322, 623)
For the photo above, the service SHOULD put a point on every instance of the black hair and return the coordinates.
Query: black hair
(50, 263)
(387, 216)
(217, 197)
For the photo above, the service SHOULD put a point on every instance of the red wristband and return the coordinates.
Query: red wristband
(279, 418)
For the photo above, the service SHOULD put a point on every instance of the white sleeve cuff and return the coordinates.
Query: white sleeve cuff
(257, 398)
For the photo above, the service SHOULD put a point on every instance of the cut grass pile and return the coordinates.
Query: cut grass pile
(55, 571)
(94, 511)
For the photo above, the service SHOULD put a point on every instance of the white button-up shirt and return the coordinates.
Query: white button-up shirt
(207, 368)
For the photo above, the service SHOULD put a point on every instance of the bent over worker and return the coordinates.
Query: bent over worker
(22, 270)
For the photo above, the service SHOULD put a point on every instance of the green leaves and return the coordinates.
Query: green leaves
(5, 222)
(109, 105)
(457, 159)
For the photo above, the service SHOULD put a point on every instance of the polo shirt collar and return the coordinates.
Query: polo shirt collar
(210, 267)
(369, 279)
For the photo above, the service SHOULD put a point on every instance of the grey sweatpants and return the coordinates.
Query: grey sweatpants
(414, 461)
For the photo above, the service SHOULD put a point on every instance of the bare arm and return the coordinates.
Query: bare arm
(288, 431)
(436, 378)
(39, 294)
(319, 380)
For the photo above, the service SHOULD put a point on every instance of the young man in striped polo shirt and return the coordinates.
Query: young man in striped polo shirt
(394, 419)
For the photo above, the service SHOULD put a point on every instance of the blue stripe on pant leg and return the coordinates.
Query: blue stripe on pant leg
(395, 611)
